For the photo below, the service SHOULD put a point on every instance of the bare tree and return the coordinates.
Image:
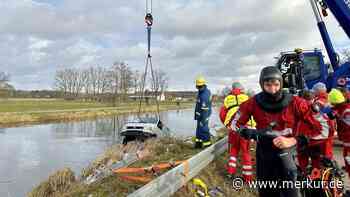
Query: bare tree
(61, 81)
(69, 81)
(122, 78)
(80, 79)
(103, 80)
(97, 80)
(86, 82)
(115, 78)
(159, 81)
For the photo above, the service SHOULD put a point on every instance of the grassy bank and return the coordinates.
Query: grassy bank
(23, 112)
(32, 105)
(61, 183)
(159, 151)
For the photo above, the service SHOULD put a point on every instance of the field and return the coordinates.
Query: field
(17, 112)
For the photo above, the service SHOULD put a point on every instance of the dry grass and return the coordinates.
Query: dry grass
(114, 186)
(160, 150)
(57, 183)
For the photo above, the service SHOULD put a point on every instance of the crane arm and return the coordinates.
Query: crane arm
(341, 11)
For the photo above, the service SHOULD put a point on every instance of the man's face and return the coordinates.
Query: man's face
(319, 92)
(272, 86)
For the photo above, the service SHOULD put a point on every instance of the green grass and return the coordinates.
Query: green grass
(32, 105)
(25, 105)
(18, 112)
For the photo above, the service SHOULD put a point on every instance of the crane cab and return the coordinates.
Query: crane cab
(314, 69)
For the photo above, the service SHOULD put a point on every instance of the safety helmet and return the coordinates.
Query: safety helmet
(336, 97)
(268, 73)
(237, 85)
(200, 81)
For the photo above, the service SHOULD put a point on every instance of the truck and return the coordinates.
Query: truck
(302, 69)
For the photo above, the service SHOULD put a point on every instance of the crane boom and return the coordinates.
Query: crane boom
(341, 11)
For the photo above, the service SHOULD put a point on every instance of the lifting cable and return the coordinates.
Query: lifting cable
(149, 23)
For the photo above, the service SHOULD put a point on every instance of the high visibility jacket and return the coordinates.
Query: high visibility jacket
(231, 104)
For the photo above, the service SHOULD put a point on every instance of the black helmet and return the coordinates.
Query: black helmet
(268, 73)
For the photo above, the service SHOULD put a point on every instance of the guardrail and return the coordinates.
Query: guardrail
(173, 180)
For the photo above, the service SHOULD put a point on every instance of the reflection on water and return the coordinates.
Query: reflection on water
(30, 154)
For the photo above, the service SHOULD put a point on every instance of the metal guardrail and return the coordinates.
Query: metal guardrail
(173, 180)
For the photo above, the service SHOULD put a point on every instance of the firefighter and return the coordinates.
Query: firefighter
(236, 142)
(341, 111)
(320, 94)
(320, 141)
(273, 105)
(202, 113)
(321, 98)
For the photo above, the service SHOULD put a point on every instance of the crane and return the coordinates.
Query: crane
(303, 71)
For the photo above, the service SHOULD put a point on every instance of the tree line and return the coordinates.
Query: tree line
(118, 80)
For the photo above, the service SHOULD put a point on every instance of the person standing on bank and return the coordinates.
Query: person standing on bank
(202, 113)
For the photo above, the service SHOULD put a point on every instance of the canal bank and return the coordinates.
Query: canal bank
(15, 119)
(34, 152)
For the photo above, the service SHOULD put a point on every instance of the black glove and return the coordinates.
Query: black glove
(248, 133)
(302, 141)
(331, 115)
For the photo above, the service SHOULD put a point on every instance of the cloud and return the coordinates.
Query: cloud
(224, 40)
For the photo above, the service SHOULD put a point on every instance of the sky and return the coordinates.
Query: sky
(223, 40)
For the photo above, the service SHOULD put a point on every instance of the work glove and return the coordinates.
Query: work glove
(302, 141)
(248, 133)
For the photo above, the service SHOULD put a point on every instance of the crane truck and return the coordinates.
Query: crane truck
(302, 69)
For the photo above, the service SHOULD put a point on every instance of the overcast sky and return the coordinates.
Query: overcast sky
(224, 40)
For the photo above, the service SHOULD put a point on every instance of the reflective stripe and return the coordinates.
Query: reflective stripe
(325, 127)
(198, 113)
(205, 108)
(284, 132)
(230, 114)
(347, 160)
(247, 172)
(206, 143)
(233, 158)
(247, 167)
(235, 119)
(232, 165)
(346, 117)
